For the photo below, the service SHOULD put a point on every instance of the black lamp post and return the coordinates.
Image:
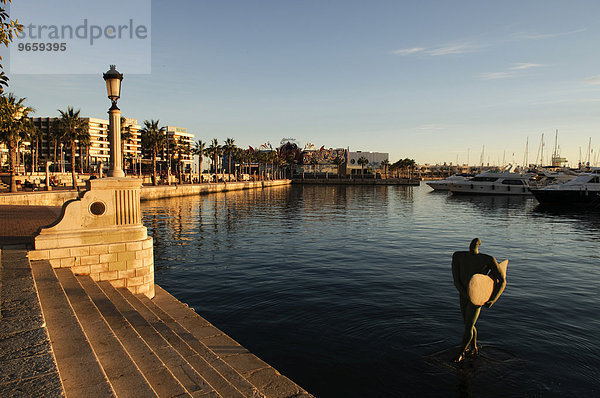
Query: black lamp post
(113, 87)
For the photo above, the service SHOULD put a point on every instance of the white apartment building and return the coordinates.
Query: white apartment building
(99, 151)
(180, 135)
(374, 158)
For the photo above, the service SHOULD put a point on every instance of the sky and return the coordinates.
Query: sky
(435, 81)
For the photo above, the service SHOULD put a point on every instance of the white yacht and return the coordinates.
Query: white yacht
(547, 177)
(442, 185)
(582, 191)
(494, 183)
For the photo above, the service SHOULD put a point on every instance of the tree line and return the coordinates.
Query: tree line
(71, 131)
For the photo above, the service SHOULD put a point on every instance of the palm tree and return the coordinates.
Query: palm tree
(199, 150)
(31, 134)
(272, 158)
(170, 146)
(385, 164)
(314, 162)
(12, 113)
(338, 161)
(72, 128)
(84, 148)
(248, 156)
(277, 162)
(229, 148)
(214, 151)
(238, 155)
(362, 161)
(259, 157)
(126, 135)
(182, 148)
(153, 139)
(55, 138)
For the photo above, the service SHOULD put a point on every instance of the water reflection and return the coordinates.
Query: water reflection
(492, 203)
(348, 290)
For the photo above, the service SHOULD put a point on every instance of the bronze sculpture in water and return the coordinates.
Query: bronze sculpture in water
(464, 266)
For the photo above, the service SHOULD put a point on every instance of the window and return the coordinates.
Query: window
(485, 179)
(512, 182)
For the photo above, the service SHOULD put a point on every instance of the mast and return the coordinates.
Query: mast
(525, 156)
(541, 151)
(555, 144)
(481, 158)
(589, 151)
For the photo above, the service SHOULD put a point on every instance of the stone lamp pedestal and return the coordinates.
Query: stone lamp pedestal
(101, 234)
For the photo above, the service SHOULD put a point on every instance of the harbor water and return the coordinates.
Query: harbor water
(348, 291)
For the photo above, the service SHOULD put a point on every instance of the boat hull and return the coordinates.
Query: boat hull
(577, 198)
(438, 185)
(489, 189)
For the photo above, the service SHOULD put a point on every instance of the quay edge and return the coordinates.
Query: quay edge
(58, 198)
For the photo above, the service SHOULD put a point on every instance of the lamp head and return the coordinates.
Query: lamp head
(113, 83)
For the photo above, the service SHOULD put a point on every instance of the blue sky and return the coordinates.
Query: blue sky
(431, 80)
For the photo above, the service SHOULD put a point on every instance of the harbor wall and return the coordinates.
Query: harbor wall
(58, 198)
(172, 191)
(357, 181)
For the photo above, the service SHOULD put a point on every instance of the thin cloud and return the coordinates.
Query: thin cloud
(451, 49)
(523, 66)
(459, 48)
(497, 75)
(408, 51)
(541, 36)
(513, 71)
(431, 127)
(594, 80)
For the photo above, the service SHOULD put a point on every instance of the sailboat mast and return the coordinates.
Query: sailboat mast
(589, 151)
(526, 153)
(542, 151)
(481, 158)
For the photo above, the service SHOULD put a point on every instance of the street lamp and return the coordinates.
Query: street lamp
(62, 159)
(113, 87)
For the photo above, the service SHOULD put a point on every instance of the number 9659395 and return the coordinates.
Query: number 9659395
(42, 46)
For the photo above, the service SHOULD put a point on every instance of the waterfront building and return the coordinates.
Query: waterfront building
(180, 143)
(374, 158)
(90, 154)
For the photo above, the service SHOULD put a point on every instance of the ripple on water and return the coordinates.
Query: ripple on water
(348, 290)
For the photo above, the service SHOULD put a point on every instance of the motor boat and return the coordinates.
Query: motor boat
(582, 191)
(548, 177)
(442, 185)
(494, 183)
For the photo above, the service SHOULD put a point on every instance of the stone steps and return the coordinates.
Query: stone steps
(79, 370)
(110, 342)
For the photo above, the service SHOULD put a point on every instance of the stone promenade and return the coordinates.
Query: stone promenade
(64, 334)
(18, 224)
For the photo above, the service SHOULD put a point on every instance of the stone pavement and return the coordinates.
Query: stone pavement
(18, 224)
(27, 366)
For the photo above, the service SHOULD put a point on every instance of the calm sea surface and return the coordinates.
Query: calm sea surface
(348, 290)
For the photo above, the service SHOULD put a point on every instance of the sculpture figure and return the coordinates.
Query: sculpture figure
(464, 266)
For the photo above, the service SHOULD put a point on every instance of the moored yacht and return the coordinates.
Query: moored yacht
(442, 185)
(494, 183)
(582, 191)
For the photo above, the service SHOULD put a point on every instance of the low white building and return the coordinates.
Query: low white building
(374, 158)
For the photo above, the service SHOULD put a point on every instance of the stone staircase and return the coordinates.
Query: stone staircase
(110, 342)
